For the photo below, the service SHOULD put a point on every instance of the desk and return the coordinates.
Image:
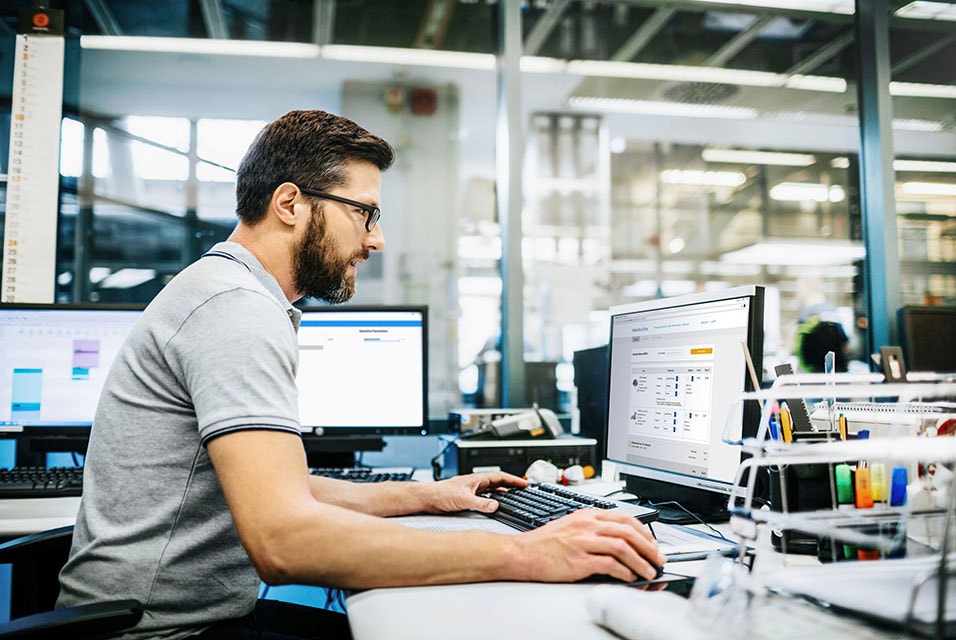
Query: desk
(29, 515)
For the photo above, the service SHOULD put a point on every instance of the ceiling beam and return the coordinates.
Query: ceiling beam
(434, 25)
(214, 18)
(737, 44)
(543, 27)
(323, 21)
(918, 56)
(643, 35)
(821, 55)
(104, 18)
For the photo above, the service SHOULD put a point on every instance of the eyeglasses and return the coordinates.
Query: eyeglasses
(372, 214)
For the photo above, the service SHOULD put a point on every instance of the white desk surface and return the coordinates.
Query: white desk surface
(29, 515)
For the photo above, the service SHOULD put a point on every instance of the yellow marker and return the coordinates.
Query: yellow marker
(878, 480)
(786, 424)
(841, 425)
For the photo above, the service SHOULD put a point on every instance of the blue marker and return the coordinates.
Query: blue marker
(898, 487)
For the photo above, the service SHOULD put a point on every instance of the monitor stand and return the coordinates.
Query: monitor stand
(338, 451)
(704, 506)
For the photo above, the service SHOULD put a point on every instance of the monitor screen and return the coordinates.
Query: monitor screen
(363, 370)
(676, 366)
(54, 360)
(928, 335)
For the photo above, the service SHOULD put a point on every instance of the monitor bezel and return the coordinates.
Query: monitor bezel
(52, 436)
(908, 335)
(750, 413)
(332, 432)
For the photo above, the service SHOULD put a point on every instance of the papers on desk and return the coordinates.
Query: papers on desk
(464, 521)
(683, 543)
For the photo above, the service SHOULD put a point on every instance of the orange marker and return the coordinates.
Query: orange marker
(864, 488)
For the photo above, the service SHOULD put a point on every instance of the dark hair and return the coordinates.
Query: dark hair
(308, 148)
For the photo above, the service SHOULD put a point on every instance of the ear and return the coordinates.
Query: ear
(283, 202)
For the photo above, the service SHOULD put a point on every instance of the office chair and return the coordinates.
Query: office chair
(37, 559)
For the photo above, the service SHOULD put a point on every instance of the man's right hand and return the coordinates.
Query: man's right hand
(589, 542)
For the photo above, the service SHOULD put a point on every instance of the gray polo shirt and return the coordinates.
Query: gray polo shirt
(214, 353)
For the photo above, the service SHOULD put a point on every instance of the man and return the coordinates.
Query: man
(196, 482)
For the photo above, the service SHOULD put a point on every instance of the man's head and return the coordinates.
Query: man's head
(308, 148)
(332, 166)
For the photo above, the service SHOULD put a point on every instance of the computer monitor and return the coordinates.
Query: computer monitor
(363, 374)
(928, 336)
(676, 366)
(53, 363)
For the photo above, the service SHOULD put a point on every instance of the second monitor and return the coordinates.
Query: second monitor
(676, 366)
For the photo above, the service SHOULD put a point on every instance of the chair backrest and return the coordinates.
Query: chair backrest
(36, 561)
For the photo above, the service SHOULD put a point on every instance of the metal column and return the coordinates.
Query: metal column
(877, 191)
(509, 152)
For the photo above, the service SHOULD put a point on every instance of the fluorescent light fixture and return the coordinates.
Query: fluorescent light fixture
(655, 108)
(913, 124)
(928, 189)
(675, 72)
(703, 178)
(919, 90)
(841, 162)
(537, 64)
(127, 278)
(816, 83)
(806, 191)
(209, 46)
(744, 156)
(928, 10)
(414, 57)
(927, 166)
(823, 6)
(797, 252)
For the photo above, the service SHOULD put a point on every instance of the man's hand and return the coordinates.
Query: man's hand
(461, 492)
(588, 542)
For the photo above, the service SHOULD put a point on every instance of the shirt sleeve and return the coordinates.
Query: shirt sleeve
(237, 356)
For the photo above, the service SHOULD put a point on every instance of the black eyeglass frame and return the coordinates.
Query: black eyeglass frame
(372, 214)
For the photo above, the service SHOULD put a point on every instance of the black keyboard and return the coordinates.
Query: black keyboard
(40, 482)
(538, 504)
(362, 474)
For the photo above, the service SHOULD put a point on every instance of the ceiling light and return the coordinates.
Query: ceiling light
(816, 83)
(209, 46)
(651, 107)
(919, 90)
(415, 57)
(758, 157)
(797, 252)
(928, 189)
(928, 10)
(913, 124)
(538, 64)
(703, 178)
(806, 191)
(841, 162)
(674, 72)
(824, 6)
(676, 245)
(928, 166)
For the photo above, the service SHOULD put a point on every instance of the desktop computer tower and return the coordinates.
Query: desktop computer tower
(590, 378)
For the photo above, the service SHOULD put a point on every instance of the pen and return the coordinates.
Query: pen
(841, 425)
(786, 425)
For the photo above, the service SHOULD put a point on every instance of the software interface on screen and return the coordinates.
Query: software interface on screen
(674, 374)
(53, 363)
(362, 369)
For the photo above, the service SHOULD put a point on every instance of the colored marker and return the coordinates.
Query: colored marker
(786, 424)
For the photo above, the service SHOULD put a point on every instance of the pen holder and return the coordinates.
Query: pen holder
(806, 488)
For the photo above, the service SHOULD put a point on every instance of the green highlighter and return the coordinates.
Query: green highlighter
(844, 484)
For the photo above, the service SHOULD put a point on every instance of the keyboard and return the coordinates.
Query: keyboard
(40, 482)
(362, 474)
(538, 504)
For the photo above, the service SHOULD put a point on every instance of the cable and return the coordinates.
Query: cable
(692, 515)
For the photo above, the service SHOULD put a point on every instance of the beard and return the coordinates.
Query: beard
(321, 271)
